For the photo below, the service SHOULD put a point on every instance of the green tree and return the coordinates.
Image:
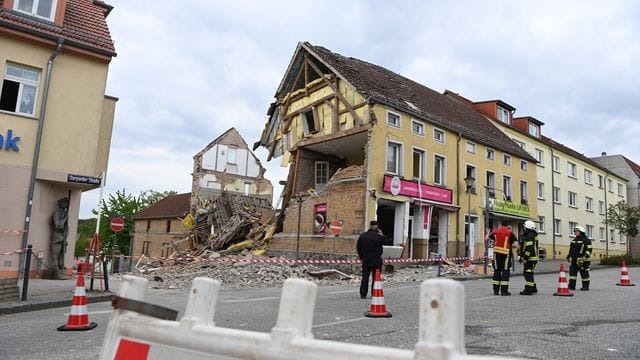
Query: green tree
(86, 228)
(623, 218)
(122, 204)
(150, 197)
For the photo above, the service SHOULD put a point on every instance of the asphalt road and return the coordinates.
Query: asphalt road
(603, 323)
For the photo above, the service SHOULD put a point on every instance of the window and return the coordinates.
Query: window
(19, 89)
(491, 154)
(541, 224)
(393, 119)
(471, 147)
(589, 231)
(393, 158)
(587, 176)
(556, 226)
(620, 189)
(540, 191)
(145, 247)
(168, 229)
(622, 238)
(166, 250)
(573, 199)
(556, 195)
(148, 225)
(602, 234)
(232, 156)
(44, 9)
(610, 185)
(438, 170)
(524, 192)
(600, 207)
(322, 174)
(247, 188)
(506, 187)
(588, 204)
(418, 164)
(600, 181)
(504, 115)
(417, 127)
(572, 226)
(524, 165)
(507, 159)
(491, 184)
(534, 130)
(438, 136)
(518, 142)
(612, 236)
(572, 169)
(540, 157)
(555, 164)
(471, 171)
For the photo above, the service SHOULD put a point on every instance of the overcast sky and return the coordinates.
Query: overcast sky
(187, 71)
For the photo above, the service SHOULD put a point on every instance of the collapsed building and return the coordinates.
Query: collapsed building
(364, 143)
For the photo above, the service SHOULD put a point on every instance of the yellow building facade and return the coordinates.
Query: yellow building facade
(56, 123)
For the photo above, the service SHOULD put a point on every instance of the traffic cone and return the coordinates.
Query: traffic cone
(78, 317)
(378, 308)
(624, 276)
(563, 287)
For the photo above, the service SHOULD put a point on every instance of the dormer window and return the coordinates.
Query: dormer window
(504, 115)
(534, 130)
(44, 9)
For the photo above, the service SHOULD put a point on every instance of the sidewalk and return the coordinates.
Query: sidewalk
(47, 294)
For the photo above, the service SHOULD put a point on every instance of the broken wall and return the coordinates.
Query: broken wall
(154, 234)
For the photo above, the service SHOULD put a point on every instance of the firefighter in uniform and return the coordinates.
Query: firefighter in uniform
(528, 252)
(579, 257)
(503, 240)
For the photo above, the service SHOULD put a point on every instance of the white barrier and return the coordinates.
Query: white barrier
(133, 336)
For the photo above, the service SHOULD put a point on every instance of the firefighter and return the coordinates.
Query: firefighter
(579, 257)
(528, 252)
(504, 241)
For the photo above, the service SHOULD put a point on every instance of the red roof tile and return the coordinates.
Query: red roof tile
(170, 207)
(84, 25)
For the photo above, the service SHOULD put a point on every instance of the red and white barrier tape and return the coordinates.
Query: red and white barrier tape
(14, 232)
(307, 261)
(13, 252)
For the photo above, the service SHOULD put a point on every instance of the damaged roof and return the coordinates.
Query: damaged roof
(379, 85)
(84, 25)
(171, 207)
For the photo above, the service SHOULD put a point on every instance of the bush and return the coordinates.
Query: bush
(617, 260)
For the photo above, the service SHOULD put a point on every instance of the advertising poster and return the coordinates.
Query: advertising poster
(320, 219)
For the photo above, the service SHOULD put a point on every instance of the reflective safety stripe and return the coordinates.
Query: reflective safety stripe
(495, 282)
(531, 283)
(572, 277)
(504, 282)
(585, 279)
(529, 270)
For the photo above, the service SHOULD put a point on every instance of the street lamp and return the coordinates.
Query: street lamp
(468, 181)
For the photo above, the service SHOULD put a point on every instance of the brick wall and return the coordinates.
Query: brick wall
(157, 235)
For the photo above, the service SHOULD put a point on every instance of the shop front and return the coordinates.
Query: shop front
(499, 210)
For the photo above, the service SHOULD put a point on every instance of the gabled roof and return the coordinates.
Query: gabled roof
(635, 167)
(171, 207)
(84, 25)
(379, 85)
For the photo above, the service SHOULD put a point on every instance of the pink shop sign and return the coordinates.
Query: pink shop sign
(396, 186)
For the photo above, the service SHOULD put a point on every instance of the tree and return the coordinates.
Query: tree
(86, 228)
(122, 204)
(150, 197)
(623, 218)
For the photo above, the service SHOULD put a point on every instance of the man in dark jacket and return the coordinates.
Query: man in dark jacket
(369, 248)
(580, 259)
(528, 253)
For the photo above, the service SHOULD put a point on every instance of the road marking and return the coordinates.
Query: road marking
(338, 322)
(254, 299)
(342, 291)
(388, 288)
(483, 298)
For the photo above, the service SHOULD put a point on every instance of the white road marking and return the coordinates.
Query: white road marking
(483, 298)
(339, 322)
(342, 291)
(389, 288)
(254, 299)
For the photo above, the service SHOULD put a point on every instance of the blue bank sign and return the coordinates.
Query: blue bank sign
(9, 142)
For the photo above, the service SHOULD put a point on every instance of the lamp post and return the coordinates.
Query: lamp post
(468, 181)
(299, 197)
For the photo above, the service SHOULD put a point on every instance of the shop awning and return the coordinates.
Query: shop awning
(444, 206)
(508, 216)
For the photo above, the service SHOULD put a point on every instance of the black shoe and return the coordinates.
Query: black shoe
(363, 297)
(506, 294)
(526, 292)
(584, 289)
(496, 293)
(572, 288)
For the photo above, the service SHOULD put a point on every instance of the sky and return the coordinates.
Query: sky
(187, 71)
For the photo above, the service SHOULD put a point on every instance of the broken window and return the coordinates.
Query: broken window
(309, 122)
(322, 174)
(19, 89)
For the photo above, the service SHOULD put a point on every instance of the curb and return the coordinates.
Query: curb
(27, 306)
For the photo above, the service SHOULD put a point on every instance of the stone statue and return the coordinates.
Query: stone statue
(59, 232)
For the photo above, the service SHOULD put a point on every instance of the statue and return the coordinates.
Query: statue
(59, 231)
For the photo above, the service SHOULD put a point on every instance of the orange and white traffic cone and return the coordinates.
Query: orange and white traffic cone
(624, 276)
(563, 287)
(78, 316)
(378, 308)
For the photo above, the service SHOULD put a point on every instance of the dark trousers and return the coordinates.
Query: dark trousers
(583, 268)
(367, 269)
(530, 285)
(501, 271)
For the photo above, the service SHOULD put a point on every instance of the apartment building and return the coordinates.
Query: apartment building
(55, 120)
(364, 143)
